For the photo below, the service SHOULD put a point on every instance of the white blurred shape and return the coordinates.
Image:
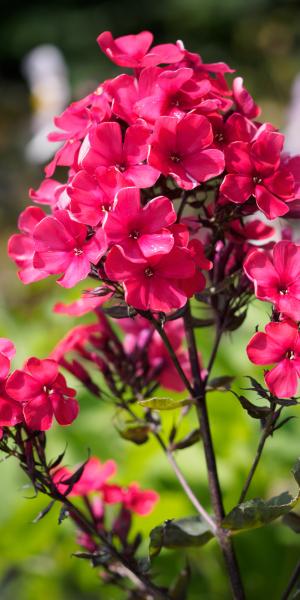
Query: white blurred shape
(47, 76)
(292, 129)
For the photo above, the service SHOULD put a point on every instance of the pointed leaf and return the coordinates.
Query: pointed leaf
(189, 440)
(138, 434)
(182, 533)
(222, 384)
(257, 412)
(44, 512)
(164, 403)
(258, 512)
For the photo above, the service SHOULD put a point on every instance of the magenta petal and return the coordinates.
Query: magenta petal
(159, 243)
(269, 204)
(286, 257)
(45, 371)
(96, 247)
(77, 270)
(10, 412)
(205, 164)
(194, 132)
(263, 350)
(158, 213)
(4, 366)
(237, 188)
(65, 409)
(38, 413)
(282, 381)
(7, 348)
(22, 386)
(237, 157)
(260, 269)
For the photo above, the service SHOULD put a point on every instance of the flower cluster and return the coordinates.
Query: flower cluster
(276, 278)
(133, 148)
(35, 394)
(92, 486)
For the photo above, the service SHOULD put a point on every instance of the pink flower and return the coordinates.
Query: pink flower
(134, 50)
(140, 231)
(61, 246)
(154, 282)
(139, 501)
(50, 192)
(81, 307)
(180, 148)
(21, 246)
(95, 474)
(276, 277)
(255, 170)
(103, 147)
(244, 100)
(10, 411)
(43, 393)
(92, 196)
(279, 344)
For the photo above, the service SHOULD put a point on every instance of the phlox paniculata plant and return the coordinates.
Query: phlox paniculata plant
(170, 205)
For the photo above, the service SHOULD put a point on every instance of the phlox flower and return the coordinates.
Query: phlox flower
(134, 50)
(276, 277)
(10, 411)
(279, 344)
(94, 476)
(61, 246)
(21, 246)
(255, 169)
(42, 393)
(103, 147)
(140, 231)
(181, 149)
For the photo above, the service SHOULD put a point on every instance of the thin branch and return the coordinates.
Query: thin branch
(265, 434)
(292, 582)
(189, 492)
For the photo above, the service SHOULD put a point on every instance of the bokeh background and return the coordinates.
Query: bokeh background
(261, 39)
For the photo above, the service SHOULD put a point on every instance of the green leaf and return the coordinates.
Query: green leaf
(44, 512)
(292, 520)
(258, 512)
(182, 533)
(254, 411)
(189, 440)
(138, 434)
(164, 403)
(222, 384)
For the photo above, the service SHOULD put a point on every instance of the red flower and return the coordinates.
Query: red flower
(92, 196)
(61, 247)
(10, 411)
(255, 170)
(21, 246)
(276, 277)
(43, 393)
(154, 282)
(103, 147)
(244, 100)
(140, 231)
(279, 344)
(180, 148)
(139, 501)
(94, 476)
(134, 50)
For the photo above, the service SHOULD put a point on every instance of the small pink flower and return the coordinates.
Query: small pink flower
(84, 305)
(244, 100)
(103, 147)
(95, 474)
(255, 170)
(140, 231)
(10, 411)
(134, 50)
(92, 196)
(154, 282)
(61, 246)
(139, 501)
(21, 246)
(43, 393)
(181, 148)
(276, 277)
(279, 344)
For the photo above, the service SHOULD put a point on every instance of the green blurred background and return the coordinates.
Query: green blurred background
(261, 39)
